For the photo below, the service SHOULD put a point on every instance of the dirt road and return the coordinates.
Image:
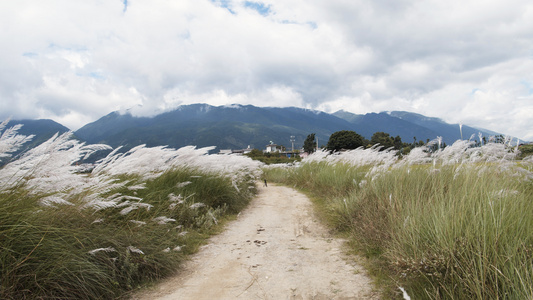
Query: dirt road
(274, 250)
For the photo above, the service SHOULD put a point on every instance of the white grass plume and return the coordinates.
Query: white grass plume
(183, 184)
(152, 162)
(135, 250)
(173, 198)
(52, 169)
(139, 223)
(131, 206)
(108, 249)
(357, 157)
(10, 140)
(163, 220)
(53, 201)
(462, 151)
(196, 205)
(404, 294)
(49, 167)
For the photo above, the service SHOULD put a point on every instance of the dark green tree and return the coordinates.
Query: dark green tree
(344, 139)
(525, 150)
(255, 153)
(398, 143)
(309, 144)
(499, 139)
(382, 138)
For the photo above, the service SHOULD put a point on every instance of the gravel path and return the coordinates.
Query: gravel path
(274, 250)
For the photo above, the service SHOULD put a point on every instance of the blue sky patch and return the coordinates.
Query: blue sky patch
(97, 75)
(528, 86)
(94, 74)
(73, 48)
(312, 25)
(259, 7)
(30, 54)
(224, 4)
(474, 91)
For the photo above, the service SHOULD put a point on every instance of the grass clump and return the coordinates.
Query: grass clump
(70, 230)
(447, 227)
(72, 252)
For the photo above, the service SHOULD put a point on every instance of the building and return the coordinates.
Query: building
(272, 148)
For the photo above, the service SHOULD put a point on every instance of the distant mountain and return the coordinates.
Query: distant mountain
(240, 126)
(43, 130)
(449, 132)
(227, 127)
(370, 123)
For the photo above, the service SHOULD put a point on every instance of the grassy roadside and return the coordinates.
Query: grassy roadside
(75, 230)
(68, 251)
(442, 231)
(323, 195)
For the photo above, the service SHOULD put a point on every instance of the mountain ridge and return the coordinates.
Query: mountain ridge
(239, 126)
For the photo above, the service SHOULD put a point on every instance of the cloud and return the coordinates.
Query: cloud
(75, 61)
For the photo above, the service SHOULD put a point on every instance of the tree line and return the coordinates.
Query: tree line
(348, 139)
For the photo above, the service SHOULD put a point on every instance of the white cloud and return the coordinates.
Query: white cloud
(75, 61)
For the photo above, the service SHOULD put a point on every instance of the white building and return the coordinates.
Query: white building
(271, 148)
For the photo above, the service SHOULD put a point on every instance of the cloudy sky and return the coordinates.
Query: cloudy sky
(465, 61)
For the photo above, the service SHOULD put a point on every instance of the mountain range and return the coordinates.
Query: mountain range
(240, 126)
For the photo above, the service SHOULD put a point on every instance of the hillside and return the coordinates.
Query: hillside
(370, 123)
(449, 132)
(227, 127)
(240, 126)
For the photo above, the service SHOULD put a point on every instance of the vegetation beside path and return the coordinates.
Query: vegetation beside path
(453, 223)
(75, 231)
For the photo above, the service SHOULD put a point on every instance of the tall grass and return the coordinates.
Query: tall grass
(67, 234)
(455, 224)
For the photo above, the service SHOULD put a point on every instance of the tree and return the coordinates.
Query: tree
(309, 144)
(525, 150)
(398, 145)
(344, 139)
(255, 153)
(382, 138)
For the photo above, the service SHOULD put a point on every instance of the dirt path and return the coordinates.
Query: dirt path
(274, 250)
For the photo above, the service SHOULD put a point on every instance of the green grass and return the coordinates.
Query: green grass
(45, 252)
(526, 150)
(276, 159)
(454, 232)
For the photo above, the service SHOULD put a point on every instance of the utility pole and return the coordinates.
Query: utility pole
(292, 141)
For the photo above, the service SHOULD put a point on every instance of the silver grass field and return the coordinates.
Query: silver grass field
(70, 230)
(452, 223)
